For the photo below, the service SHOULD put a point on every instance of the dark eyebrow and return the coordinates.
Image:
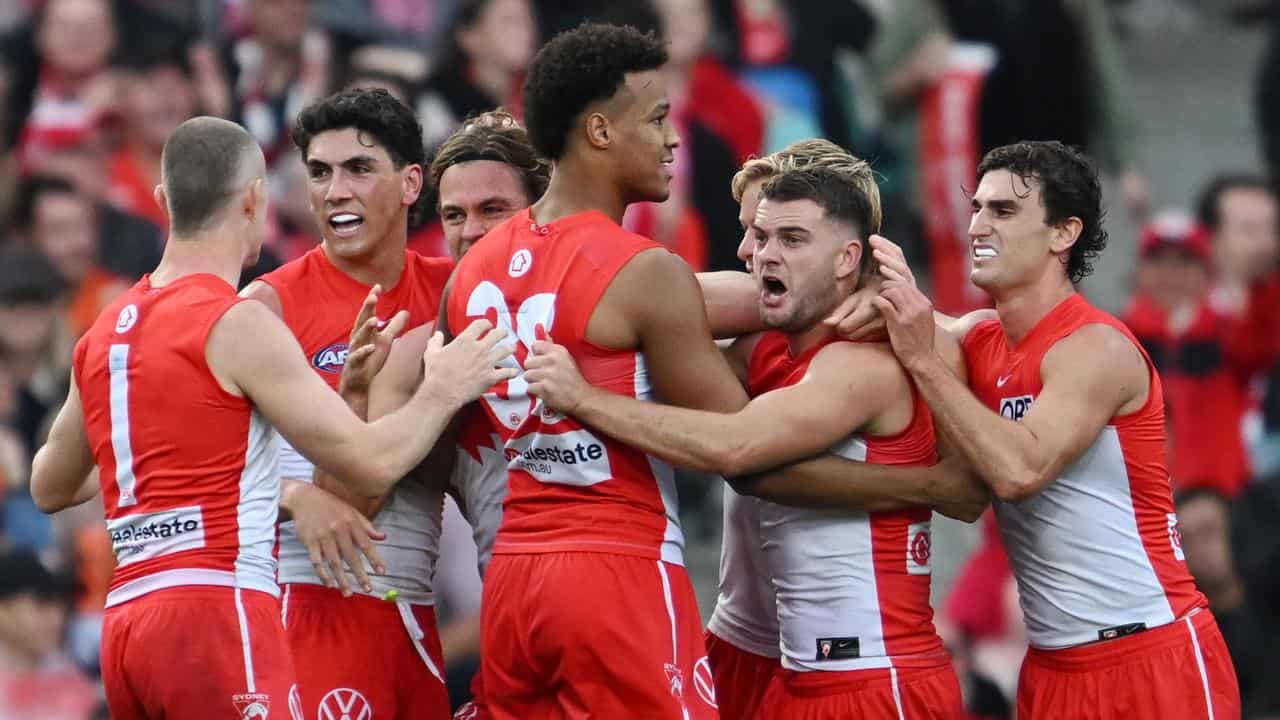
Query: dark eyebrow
(661, 108)
(793, 230)
(997, 205)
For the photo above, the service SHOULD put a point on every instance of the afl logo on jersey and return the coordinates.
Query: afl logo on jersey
(520, 263)
(127, 318)
(331, 358)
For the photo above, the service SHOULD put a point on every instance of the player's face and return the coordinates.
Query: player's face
(359, 199)
(796, 256)
(644, 138)
(1010, 243)
(747, 219)
(475, 197)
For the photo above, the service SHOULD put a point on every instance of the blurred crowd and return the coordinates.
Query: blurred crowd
(90, 89)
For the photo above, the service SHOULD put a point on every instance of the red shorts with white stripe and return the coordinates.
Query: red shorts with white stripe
(361, 657)
(200, 653)
(1174, 672)
(592, 635)
(741, 677)
(477, 708)
(931, 693)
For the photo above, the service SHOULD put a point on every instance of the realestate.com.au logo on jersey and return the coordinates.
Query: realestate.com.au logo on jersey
(572, 458)
(148, 535)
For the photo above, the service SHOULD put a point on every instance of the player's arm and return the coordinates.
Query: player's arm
(1087, 378)
(368, 458)
(60, 472)
(828, 481)
(732, 302)
(390, 389)
(654, 304)
(774, 428)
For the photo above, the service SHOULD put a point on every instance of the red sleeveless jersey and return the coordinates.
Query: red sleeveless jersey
(188, 471)
(319, 302)
(569, 489)
(852, 588)
(1097, 552)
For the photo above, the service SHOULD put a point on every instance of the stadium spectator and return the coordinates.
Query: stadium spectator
(721, 125)
(72, 88)
(1204, 527)
(486, 52)
(157, 95)
(31, 295)
(61, 223)
(1196, 349)
(36, 679)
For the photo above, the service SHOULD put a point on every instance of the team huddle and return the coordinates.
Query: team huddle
(273, 471)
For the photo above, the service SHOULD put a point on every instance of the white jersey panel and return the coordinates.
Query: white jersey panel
(480, 487)
(746, 613)
(1078, 556)
(825, 579)
(411, 521)
(259, 504)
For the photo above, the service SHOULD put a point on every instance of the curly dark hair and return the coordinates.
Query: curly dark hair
(374, 111)
(1069, 187)
(493, 135)
(578, 67)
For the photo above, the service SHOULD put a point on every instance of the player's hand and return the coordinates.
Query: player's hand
(468, 366)
(907, 312)
(856, 318)
(956, 491)
(336, 536)
(369, 344)
(554, 377)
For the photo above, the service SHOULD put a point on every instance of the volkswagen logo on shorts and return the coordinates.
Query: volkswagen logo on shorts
(344, 704)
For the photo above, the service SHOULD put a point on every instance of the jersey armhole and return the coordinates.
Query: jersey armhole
(602, 278)
(205, 331)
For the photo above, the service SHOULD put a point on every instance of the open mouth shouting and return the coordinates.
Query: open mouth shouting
(772, 289)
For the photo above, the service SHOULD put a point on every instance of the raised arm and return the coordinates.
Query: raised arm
(60, 473)
(368, 458)
(776, 427)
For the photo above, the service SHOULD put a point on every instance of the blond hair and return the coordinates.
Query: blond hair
(817, 153)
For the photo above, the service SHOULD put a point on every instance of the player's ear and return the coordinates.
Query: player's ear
(162, 200)
(411, 180)
(255, 198)
(599, 134)
(849, 259)
(1065, 234)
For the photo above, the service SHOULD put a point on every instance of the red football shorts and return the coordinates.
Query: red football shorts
(741, 678)
(592, 635)
(476, 708)
(931, 693)
(198, 652)
(1180, 670)
(360, 652)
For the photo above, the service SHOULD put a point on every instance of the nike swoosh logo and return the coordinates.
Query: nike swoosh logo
(1002, 380)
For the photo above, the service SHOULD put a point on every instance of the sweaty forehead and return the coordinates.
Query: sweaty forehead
(477, 181)
(338, 146)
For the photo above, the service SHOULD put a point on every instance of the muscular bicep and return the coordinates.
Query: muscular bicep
(660, 299)
(1088, 378)
(731, 301)
(272, 372)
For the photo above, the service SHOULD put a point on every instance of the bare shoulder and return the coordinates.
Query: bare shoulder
(265, 294)
(654, 289)
(858, 366)
(959, 328)
(1102, 359)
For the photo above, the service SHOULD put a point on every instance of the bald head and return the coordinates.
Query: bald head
(206, 161)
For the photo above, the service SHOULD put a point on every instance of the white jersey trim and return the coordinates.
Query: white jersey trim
(416, 635)
(897, 695)
(182, 577)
